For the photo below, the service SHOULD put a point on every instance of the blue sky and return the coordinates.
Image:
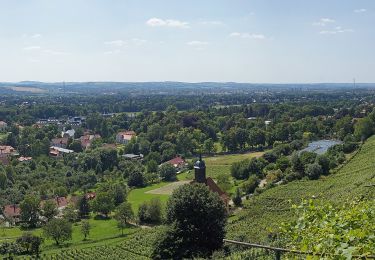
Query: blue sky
(259, 41)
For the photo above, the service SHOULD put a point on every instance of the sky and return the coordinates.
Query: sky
(255, 41)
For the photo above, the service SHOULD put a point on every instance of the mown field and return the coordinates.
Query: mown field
(263, 214)
(222, 163)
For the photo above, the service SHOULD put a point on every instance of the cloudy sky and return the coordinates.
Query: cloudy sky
(264, 41)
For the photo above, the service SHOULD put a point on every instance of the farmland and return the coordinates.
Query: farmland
(263, 214)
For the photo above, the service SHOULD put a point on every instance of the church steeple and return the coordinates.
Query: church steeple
(200, 170)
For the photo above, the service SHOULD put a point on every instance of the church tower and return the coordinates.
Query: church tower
(200, 171)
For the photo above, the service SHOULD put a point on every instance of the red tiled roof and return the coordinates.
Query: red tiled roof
(12, 211)
(57, 141)
(212, 186)
(23, 159)
(6, 149)
(127, 135)
(177, 161)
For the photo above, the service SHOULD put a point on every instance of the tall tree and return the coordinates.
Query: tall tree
(59, 230)
(30, 210)
(123, 215)
(197, 219)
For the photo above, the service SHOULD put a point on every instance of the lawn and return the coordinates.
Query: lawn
(137, 196)
(216, 165)
(101, 232)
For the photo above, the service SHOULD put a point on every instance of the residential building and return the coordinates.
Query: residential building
(60, 142)
(178, 163)
(125, 137)
(55, 151)
(68, 133)
(87, 140)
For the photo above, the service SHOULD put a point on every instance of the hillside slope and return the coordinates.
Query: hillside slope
(263, 213)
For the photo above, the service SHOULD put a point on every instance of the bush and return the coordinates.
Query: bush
(313, 171)
(250, 185)
(167, 172)
(135, 179)
(237, 200)
(150, 212)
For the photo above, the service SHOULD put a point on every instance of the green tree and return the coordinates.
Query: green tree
(83, 207)
(197, 220)
(30, 210)
(313, 171)
(70, 214)
(237, 200)
(150, 211)
(103, 203)
(118, 193)
(85, 228)
(167, 172)
(152, 166)
(364, 128)
(76, 146)
(135, 179)
(58, 229)
(30, 243)
(124, 214)
(223, 181)
(209, 146)
(3, 181)
(250, 184)
(49, 209)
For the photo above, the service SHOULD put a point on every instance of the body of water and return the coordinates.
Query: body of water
(321, 146)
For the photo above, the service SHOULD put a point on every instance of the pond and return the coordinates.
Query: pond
(321, 146)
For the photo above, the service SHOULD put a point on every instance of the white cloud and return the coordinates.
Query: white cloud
(197, 43)
(213, 23)
(157, 22)
(34, 60)
(111, 52)
(138, 41)
(116, 43)
(32, 48)
(324, 22)
(55, 53)
(336, 30)
(362, 10)
(248, 35)
(36, 36)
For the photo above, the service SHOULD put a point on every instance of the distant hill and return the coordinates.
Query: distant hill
(269, 209)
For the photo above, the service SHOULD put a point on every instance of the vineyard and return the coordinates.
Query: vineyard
(263, 214)
(137, 246)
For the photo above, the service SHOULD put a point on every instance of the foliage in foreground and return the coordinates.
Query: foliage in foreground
(344, 230)
(196, 218)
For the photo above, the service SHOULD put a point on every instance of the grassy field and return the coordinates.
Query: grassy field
(137, 196)
(222, 163)
(263, 214)
(102, 232)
